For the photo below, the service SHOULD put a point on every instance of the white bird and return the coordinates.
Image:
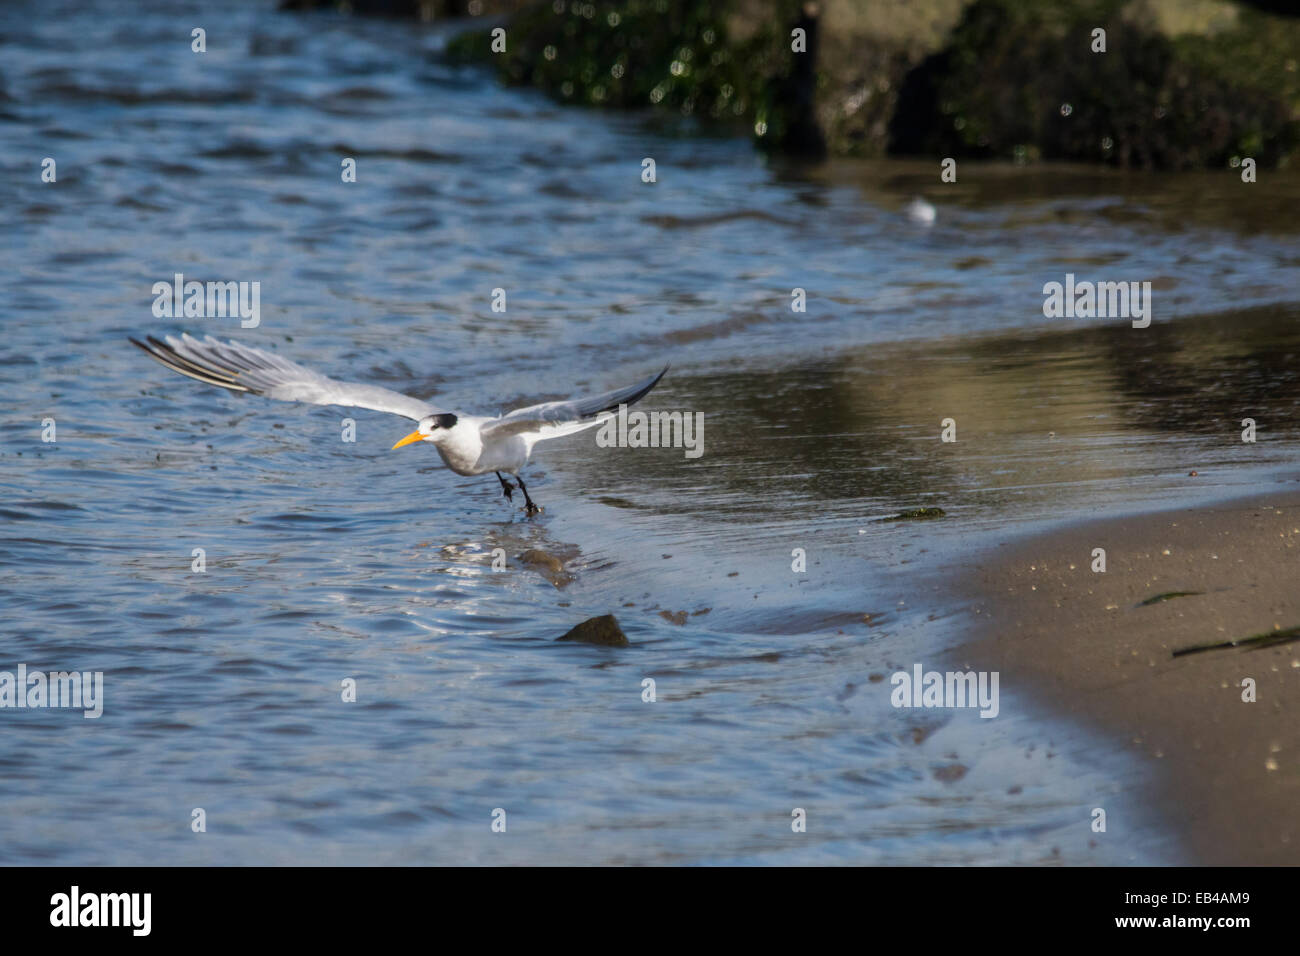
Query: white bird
(468, 444)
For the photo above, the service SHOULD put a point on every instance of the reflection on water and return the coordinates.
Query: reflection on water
(329, 560)
(1048, 424)
(1087, 197)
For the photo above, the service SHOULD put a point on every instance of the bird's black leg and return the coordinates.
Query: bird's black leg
(507, 489)
(529, 507)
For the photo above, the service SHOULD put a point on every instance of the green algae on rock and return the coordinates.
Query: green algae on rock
(702, 59)
(1009, 79)
(1025, 79)
(1181, 83)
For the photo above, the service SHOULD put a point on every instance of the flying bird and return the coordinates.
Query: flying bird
(468, 444)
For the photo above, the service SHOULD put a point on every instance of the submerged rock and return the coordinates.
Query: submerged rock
(950, 773)
(603, 630)
(547, 565)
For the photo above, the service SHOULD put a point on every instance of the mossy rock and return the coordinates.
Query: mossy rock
(698, 59)
(1183, 83)
(1019, 80)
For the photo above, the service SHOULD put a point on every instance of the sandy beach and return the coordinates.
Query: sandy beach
(300, 640)
(1098, 648)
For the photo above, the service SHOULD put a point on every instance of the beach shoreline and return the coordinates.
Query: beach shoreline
(1097, 647)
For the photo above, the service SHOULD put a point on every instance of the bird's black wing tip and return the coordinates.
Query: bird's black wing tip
(636, 394)
(164, 354)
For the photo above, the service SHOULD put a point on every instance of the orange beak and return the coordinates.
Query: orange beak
(414, 436)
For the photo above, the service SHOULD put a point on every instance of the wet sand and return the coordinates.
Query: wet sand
(1225, 773)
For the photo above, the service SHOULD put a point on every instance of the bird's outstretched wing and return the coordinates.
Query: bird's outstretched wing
(241, 368)
(553, 419)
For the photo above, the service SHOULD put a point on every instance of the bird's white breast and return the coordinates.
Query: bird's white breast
(464, 451)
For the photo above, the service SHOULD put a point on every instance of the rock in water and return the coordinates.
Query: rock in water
(547, 565)
(603, 630)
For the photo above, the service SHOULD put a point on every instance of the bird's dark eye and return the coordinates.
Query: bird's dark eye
(444, 421)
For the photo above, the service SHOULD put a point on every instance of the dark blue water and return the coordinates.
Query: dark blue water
(329, 560)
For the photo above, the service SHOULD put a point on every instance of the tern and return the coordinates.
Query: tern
(467, 444)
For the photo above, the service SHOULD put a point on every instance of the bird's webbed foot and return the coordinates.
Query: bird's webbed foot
(530, 508)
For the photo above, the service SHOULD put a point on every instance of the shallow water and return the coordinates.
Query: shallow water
(329, 560)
